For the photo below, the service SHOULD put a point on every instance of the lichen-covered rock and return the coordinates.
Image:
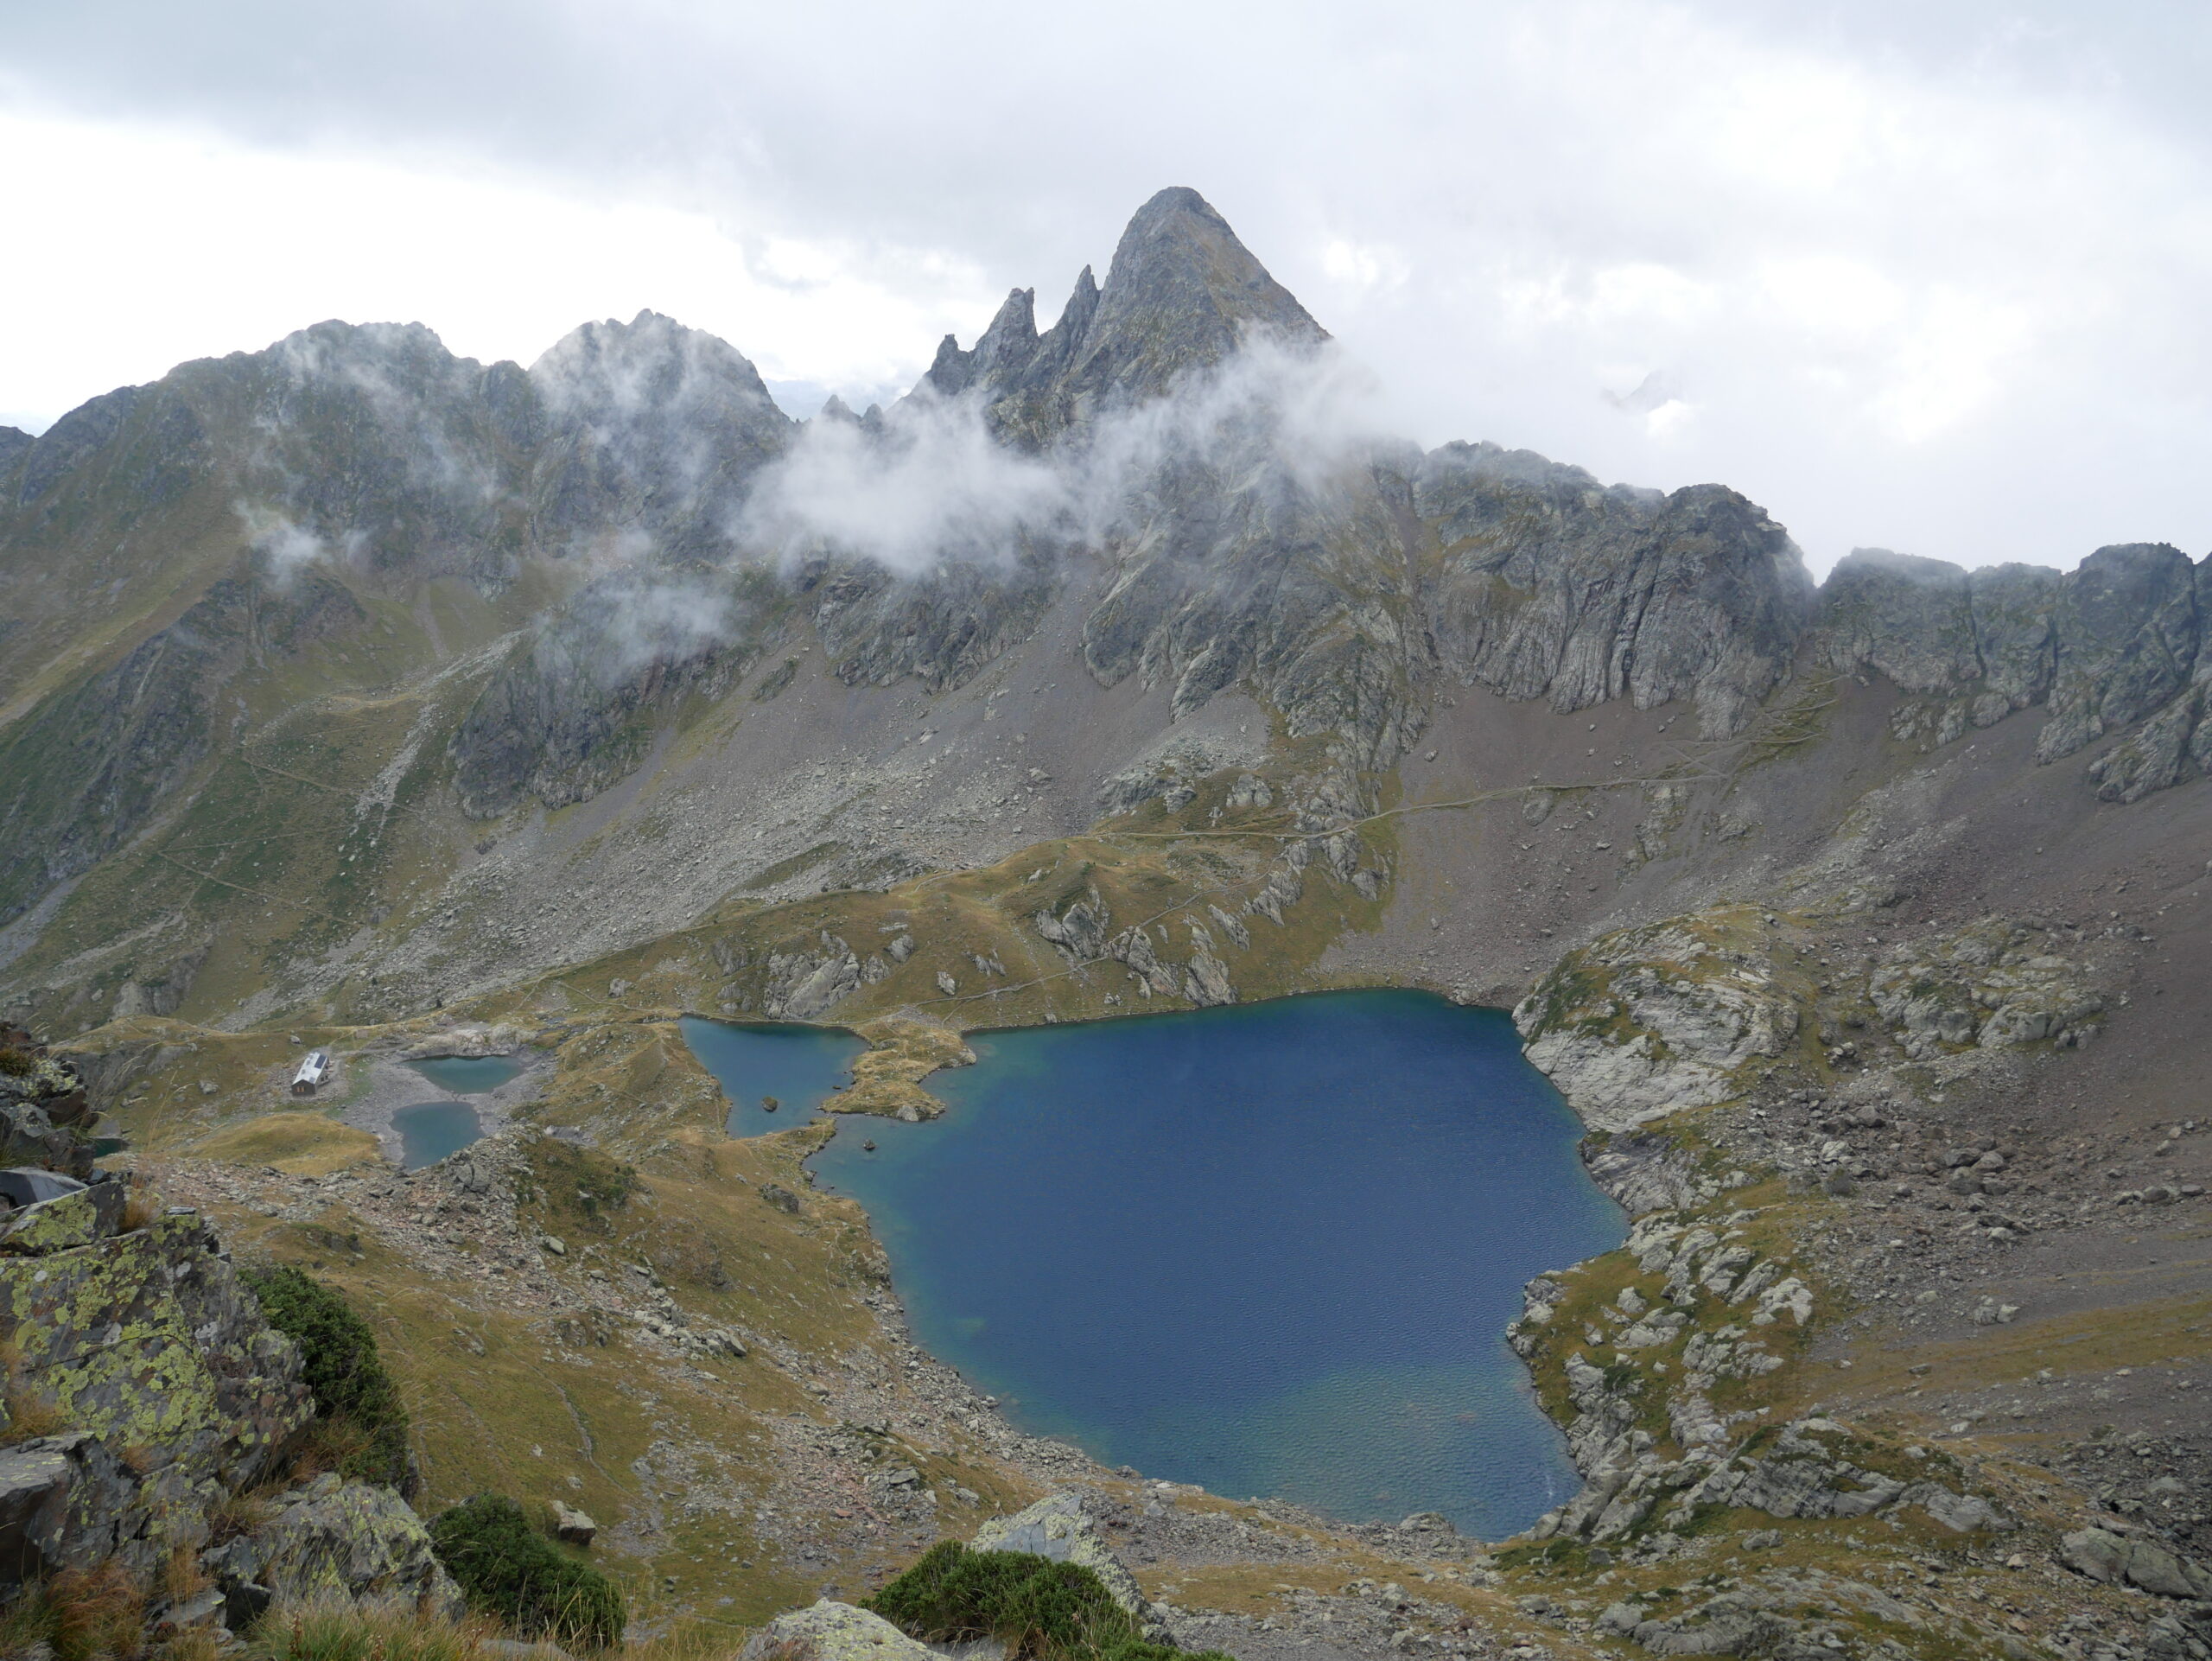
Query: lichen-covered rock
(67, 1221)
(147, 1341)
(1059, 1528)
(833, 1631)
(335, 1540)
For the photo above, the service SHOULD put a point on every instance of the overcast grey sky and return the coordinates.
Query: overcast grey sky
(1928, 275)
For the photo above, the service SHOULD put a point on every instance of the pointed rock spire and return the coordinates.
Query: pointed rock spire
(1182, 293)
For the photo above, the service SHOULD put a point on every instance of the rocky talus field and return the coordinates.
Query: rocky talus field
(358, 697)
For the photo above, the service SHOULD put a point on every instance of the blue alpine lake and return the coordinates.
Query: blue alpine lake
(795, 1066)
(467, 1075)
(1269, 1249)
(430, 1130)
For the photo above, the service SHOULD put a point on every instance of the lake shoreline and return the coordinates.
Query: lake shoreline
(1481, 1404)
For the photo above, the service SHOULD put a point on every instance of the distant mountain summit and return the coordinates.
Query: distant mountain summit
(1183, 294)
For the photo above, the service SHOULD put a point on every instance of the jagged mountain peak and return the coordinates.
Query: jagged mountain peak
(1178, 264)
(1182, 294)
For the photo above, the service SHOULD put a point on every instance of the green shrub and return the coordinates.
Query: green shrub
(514, 1574)
(355, 1400)
(1037, 1607)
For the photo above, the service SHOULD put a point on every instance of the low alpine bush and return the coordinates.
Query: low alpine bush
(357, 1406)
(510, 1571)
(1037, 1608)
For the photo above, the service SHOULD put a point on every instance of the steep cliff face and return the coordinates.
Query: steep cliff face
(1553, 587)
(2102, 647)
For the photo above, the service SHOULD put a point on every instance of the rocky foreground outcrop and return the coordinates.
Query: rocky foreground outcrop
(147, 1392)
(135, 1334)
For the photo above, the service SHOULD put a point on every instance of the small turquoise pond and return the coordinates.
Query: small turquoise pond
(469, 1075)
(1269, 1249)
(429, 1132)
(798, 1066)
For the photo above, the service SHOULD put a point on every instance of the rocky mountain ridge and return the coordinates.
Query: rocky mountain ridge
(591, 511)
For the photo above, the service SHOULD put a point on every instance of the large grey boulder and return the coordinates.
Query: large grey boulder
(2115, 1559)
(336, 1541)
(78, 1215)
(834, 1631)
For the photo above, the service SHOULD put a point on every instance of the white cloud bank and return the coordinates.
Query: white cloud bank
(930, 485)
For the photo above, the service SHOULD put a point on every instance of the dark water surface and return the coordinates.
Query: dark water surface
(467, 1075)
(1269, 1249)
(797, 1064)
(429, 1132)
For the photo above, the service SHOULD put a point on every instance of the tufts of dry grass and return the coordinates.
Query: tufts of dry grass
(139, 1210)
(343, 1632)
(31, 1413)
(97, 1614)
